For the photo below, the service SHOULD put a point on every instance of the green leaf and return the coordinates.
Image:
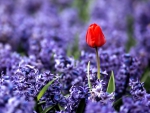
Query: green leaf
(67, 95)
(42, 102)
(41, 93)
(81, 106)
(111, 84)
(47, 109)
(145, 75)
(146, 78)
(88, 72)
(117, 104)
(38, 107)
(61, 108)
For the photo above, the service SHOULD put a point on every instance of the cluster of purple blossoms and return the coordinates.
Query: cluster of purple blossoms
(140, 100)
(129, 69)
(77, 94)
(94, 107)
(99, 95)
(53, 96)
(11, 102)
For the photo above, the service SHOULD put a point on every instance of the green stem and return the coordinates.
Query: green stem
(88, 72)
(98, 64)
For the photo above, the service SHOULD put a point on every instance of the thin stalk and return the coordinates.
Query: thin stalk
(88, 73)
(98, 64)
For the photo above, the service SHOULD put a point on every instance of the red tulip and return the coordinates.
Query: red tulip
(95, 37)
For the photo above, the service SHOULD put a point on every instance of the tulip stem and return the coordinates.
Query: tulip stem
(98, 64)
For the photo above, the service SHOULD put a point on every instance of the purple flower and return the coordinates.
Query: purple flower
(98, 94)
(97, 107)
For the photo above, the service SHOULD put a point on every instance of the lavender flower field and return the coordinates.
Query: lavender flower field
(46, 66)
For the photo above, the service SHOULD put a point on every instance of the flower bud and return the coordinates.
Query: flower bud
(95, 37)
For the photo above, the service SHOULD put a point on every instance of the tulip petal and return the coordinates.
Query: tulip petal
(92, 36)
(98, 35)
(89, 38)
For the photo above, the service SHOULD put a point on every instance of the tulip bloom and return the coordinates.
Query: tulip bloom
(95, 38)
